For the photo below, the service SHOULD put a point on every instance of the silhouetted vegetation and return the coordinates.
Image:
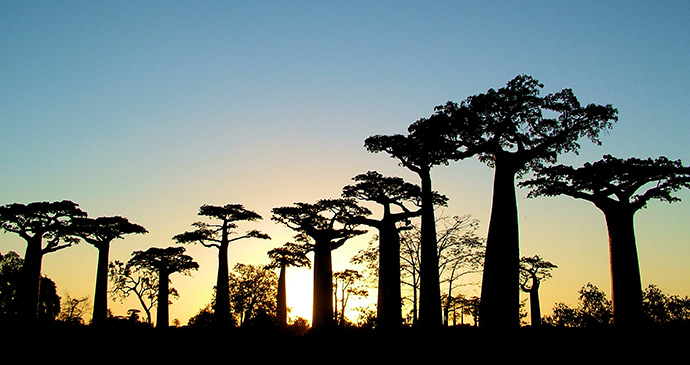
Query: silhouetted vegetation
(514, 130)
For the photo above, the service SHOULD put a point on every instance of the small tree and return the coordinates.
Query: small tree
(164, 261)
(290, 254)
(45, 226)
(252, 292)
(619, 188)
(534, 270)
(127, 279)
(346, 284)
(100, 232)
(330, 223)
(74, 309)
(219, 236)
(593, 310)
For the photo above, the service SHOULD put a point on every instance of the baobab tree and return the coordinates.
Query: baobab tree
(329, 223)
(619, 188)
(427, 144)
(394, 195)
(100, 232)
(534, 270)
(290, 254)
(218, 236)
(514, 130)
(45, 226)
(164, 261)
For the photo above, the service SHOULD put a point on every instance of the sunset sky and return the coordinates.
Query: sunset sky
(150, 109)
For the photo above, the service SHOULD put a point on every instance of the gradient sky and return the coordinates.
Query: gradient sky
(150, 109)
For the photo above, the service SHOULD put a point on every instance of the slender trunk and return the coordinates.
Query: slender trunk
(626, 284)
(322, 311)
(163, 290)
(281, 300)
(389, 314)
(30, 282)
(430, 291)
(500, 297)
(221, 310)
(535, 307)
(100, 299)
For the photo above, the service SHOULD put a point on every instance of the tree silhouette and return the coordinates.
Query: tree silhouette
(619, 188)
(45, 228)
(141, 281)
(329, 222)
(426, 145)
(390, 193)
(218, 236)
(164, 261)
(100, 232)
(345, 283)
(290, 254)
(515, 130)
(252, 292)
(534, 270)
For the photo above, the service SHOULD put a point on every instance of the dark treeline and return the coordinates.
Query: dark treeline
(514, 130)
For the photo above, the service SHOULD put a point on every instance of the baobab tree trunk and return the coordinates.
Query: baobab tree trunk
(281, 300)
(389, 314)
(500, 296)
(100, 300)
(221, 311)
(163, 291)
(535, 307)
(430, 292)
(31, 276)
(626, 284)
(322, 311)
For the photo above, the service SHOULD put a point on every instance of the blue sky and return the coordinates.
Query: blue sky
(151, 109)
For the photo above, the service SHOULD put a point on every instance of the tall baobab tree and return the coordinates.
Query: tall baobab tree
(100, 232)
(329, 223)
(290, 254)
(619, 188)
(45, 226)
(534, 270)
(164, 261)
(218, 235)
(427, 144)
(390, 193)
(514, 130)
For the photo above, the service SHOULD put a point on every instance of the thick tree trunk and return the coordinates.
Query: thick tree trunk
(535, 307)
(163, 291)
(100, 300)
(389, 314)
(221, 310)
(281, 300)
(500, 297)
(31, 276)
(322, 311)
(626, 284)
(430, 291)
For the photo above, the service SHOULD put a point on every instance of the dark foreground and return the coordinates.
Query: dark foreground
(139, 345)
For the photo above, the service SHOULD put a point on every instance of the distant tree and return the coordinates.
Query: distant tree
(290, 254)
(426, 145)
(515, 130)
(219, 236)
(203, 319)
(74, 309)
(593, 310)
(665, 310)
(253, 291)
(329, 223)
(128, 279)
(390, 193)
(100, 232)
(534, 270)
(617, 187)
(346, 284)
(164, 261)
(11, 265)
(45, 228)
